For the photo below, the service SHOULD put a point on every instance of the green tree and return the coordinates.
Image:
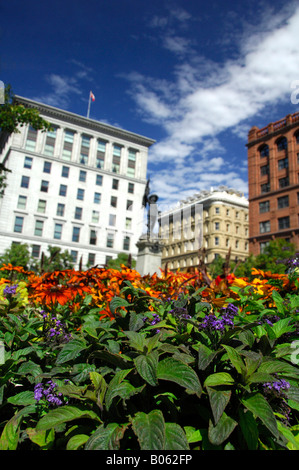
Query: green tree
(122, 258)
(17, 255)
(55, 260)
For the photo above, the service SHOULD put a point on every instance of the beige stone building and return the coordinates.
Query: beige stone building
(211, 222)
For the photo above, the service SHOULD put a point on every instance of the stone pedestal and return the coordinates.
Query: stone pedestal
(149, 256)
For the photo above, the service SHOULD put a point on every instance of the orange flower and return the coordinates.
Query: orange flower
(50, 294)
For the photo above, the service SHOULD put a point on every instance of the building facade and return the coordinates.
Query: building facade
(273, 180)
(214, 221)
(78, 187)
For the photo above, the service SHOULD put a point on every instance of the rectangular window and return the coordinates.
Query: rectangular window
(80, 194)
(101, 150)
(283, 163)
(217, 210)
(131, 163)
(57, 231)
(126, 243)
(31, 139)
(97, 198)
(82, 176)
(65, 172)
(18, 227)
(62, 190)
(217, 225)
(112, 219)
(35, 251)
(78, 213)
(115, 183)
(128, 223)
(283, 182)
(93, 237)
(47, 167)
(68, 145)
(38, 230)
(60, 210)
(263, 246)
(282, 202)
(129, 205)
(50, 142)
(95, 217)
(22, 201)
(265, 226)
(265, 188)
(283, 222)
(265, 170)
(74, 256)
(28, 162)
(91, 259)
(99, 180)
(41, 207)
(131, 188)
(110, 240)
(116, 158)
(264, 206)
(25, 182)
(113, 201)
(44, 186)
(216, 241)
(76, 234)
(84, 152)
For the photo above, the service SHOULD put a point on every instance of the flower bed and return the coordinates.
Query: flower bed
(107, 359)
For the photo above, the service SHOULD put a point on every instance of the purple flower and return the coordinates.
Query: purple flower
(10, 290)
(213, 323)
(48, 392)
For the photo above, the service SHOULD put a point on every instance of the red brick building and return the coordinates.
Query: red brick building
(273, 179)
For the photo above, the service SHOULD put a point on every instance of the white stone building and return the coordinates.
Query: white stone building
(78, 187)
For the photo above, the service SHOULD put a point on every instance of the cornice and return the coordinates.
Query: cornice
(89, 124)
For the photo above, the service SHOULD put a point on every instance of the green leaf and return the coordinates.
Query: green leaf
(22, 398)
(70, 350)
(106, 438)
(115, 359)
(117, 302)
(43, 438)
(278, 300)
(63, 414)
(136, 340)
(77, 441)
(147, 367)
(193, 435)
(218, 401)
(205, 356)
(180, 373)
(175, 437)
(249, 428)
(150, 430)
(261, 409)
(223, 429)
(219, 378)
(235, 359)
(281, 327)
(118, 387)
(274, 366)
(10, 435)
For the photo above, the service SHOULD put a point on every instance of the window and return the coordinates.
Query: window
(264, 206)
(131, 163)
(50, 142)
(237, 243)
(110, 240)
(128, 223)
(68, 145)
(38, 230)
(126, 243)
(41, 206)
(265, 188)
(57, 231)
(65, 172)
(78, 213)
(283, 163)
(95, 217)
(74, 256)
(282, 202)
(22, 201)
(129, 205)
(18, 227)
(131, 188)
(263, 246)
(113, 201)
(97, 198)
(227, 227)
(115, 184)
(216, 241)
(237, 214)
(44, 186)
(217, 210)
(264, 151)
(264, 170)
(82, 176)
(62, 190)
(217, 225)
(60, 210)
(93, 237)
(227, 211)
(35, 251)
(283, 222)
(47, 167)
(25, 182)
(99, 180)
(101, 150)
(265, 226)
(112, 219)
(28, 162)
(116, 158)
(283, 182)
(282, 143)
(91, 259)
(31, 139)
(80, 194)
(76, 234)
(85, 144)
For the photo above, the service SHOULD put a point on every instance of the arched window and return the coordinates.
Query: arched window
(264, 150)
(282, 143)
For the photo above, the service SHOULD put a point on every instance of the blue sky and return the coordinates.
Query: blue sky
(193, 75)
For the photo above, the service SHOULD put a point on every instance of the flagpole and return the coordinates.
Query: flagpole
(88, 109)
